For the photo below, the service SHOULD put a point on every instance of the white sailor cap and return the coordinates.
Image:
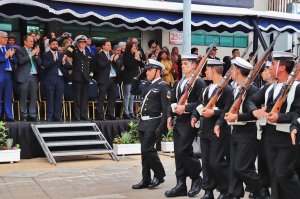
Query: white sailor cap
(214, 62)
(151, 63)
(80, 38)
(189, 57)
(240, 62)
(283, 56)
(268, 64)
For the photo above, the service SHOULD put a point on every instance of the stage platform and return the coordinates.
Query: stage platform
(22, 134)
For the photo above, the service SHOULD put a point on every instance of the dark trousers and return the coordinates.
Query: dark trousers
(242, 159)
(80, 90)
(6, 86)
(186, 163)
(214, 164)
(298, 163)
(263, 170)
(109, 89)
(54, 92)
(281, 160)
(150, 159)
(26, 88)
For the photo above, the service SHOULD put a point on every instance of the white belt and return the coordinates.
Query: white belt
(284, 127)
(149, 118)
(239, 123)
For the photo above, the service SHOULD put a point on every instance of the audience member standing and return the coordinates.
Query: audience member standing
(132, 63)
(55, 65)
(6, 83)
(81, 76)
(167, 75)
(152, 47)
(176, 60)
(27, 77)
(107, 80)
(89, 46)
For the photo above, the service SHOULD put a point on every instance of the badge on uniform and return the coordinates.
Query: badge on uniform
(155, 90)
(169, 95)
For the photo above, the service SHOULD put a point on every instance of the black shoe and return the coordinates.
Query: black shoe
(142, 185)
(23, 118)
(111, 117)
(179, 190)
(10, 120)
(126, 116)
(155, 182)
(132, 115)
(34, 119)
(224, 196)
(208, 195)
(85, 119)
(195, 187)
(49, 120)
(251, 195)
(235, 197)
(57, 119)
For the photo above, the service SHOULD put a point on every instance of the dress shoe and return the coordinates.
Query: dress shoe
(126, 116)
(251, 195)
(57, 119)
(155, 182)
(224, 196)
(111, 117)
(208, 195)
(132, 115)
(49, 120)
(85, 119)
(179, 190)
(235, 197)
(10, 119)
(195, 187)
(34, 119)
(142, 185)
(23, 118)
(265, 193)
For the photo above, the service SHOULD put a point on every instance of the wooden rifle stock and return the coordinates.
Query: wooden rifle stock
(247, 83)
(213, 100)
(194, 76)
(286, 87)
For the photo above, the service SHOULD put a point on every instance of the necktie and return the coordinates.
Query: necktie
(112, 70)
(54, 56)
(32, 70)
(7, 64)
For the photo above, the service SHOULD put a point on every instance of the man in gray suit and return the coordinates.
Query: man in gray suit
(27, 77)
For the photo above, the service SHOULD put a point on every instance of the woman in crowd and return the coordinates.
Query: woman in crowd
(176, 61)
(163, 58)
(132, 63)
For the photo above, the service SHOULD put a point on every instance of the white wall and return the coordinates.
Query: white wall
(261, 5)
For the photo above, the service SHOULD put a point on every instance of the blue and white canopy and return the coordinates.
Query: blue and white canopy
(148, 15)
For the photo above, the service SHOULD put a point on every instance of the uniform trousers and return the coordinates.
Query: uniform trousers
(107, 89)
(26, 88)
(150, 158)
(214, 163)
(281, 158)
(242, 158)
(262, 168)
(186, 163)
(80, 90)
(54, 93)
(6, 86)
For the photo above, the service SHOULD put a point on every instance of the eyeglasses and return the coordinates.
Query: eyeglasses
(4, 37)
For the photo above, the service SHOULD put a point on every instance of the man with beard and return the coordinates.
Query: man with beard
(54, 65)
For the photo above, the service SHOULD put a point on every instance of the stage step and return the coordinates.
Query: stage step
(68, 134)
(74, 143)
(60, 135)
(81, 152)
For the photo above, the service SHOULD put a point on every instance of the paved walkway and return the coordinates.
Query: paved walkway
(95, 177)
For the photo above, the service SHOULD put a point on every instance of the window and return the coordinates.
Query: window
(201, 38)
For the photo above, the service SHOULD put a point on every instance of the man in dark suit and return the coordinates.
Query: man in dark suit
(55, 65)
(153, 121)
(106, 70)
(6, 67)
(81, 76)
(27, 77)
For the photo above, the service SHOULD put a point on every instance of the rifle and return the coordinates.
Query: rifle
(246, 50)
(286, 87)
(213, 100)
(247, 83)
(252, 61)
(194, 76)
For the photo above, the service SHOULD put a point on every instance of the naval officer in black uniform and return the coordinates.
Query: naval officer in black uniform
(153, 122)
(243, 139)
(280, 152)
(81, 76)
(186, 164)
(215, 133)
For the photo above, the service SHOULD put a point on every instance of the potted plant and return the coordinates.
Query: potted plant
(128, 142)
(8, 152)
(167, 144)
